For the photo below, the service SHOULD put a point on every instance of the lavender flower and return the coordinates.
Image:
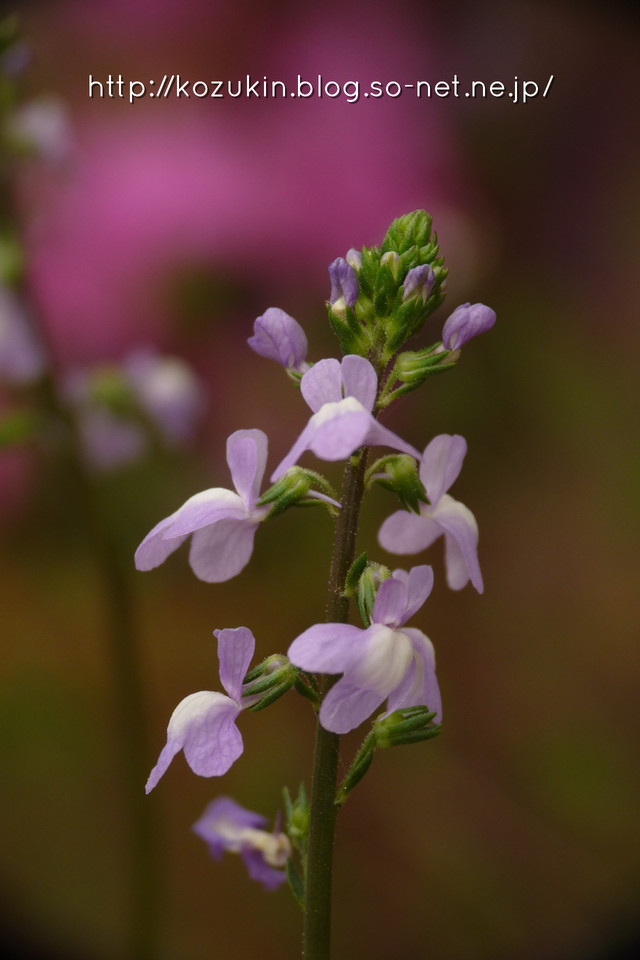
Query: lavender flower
(340, 424)
(279, 337)
(344, 285)
(225, 826)
(405, 532)
(223, 523)
(21, 359)
(204, 723)
(43, 126)
(167, 390)
(418, 282)
(381, 662)
(465, 322)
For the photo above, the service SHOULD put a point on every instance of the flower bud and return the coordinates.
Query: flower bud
(391, 260)
(279, 337)
(354, 259)
(344, 285)
(465, 322)
(368, 586)
(418, 283)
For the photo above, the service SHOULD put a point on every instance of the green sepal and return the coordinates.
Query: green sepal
(273, 678)
(353, 576)
(292, 490)
(305, 686)
(370, 579)
(271, 697)
(297, 812)
(350, 333)
(357, 770)
(412, 368)
(398, 472)
(410, 725)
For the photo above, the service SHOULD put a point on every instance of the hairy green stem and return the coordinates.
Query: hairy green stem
(323, 809)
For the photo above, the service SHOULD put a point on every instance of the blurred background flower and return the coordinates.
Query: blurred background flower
(176, 223)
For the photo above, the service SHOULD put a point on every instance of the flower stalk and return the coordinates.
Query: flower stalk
(323, 809)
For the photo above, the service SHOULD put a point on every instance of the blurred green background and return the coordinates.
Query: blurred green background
(515, 833)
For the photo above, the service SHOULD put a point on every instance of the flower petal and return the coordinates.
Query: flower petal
(419, 584)
(213, 742)
(379, 436)
(203, 725)
(419, 687)
(235, 650)
(322, 383)
(441, 463)
(327, 648)
(222, 550)
(202, 510)
(347, 705)
(299, 447)
(247, 459)
(384, 660)
(390, 602)
(359, 380)
(155, 549)
(461, 543)
(221, 823)
(339, 429)
(405, 532)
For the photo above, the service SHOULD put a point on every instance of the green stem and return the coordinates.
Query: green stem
(323, 809)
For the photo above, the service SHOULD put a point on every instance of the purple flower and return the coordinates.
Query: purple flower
(344, 285)
(204, 723)
(279, 337)
(465, 322)
(223, 523)
(418, 282)
(108, 441)
(226, 826)
(405, 532)
(43, 126)
(341, 395)
(21, 359)
(381, 662)
(168, 391)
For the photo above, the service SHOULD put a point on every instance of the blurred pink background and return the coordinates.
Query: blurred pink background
(515, 833)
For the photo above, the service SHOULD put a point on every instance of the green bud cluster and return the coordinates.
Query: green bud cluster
(385, 318)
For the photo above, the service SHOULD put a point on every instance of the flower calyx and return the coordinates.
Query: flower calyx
(409, 725)
(293, 489)
(268, 681)
(399, 474)
(412, 368)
